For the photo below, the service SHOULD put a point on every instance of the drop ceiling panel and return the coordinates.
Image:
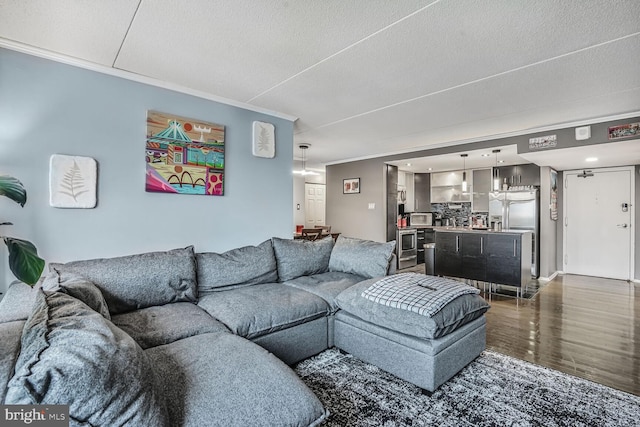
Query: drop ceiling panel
(90, 30)
(546, 93)
(237, 49)
(339, 143)
(426, 54)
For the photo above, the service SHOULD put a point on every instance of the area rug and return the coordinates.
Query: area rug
(494, 390)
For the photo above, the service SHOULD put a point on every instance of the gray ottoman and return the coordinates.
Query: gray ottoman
(426, 351)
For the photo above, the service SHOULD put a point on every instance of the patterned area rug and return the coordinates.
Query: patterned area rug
(494, 390)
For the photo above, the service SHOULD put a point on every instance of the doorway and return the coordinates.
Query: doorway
(314, 202)
(598, 223)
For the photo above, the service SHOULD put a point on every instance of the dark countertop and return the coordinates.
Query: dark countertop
(474, 230)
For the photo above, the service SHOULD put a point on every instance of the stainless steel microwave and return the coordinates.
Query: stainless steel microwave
(421, 218)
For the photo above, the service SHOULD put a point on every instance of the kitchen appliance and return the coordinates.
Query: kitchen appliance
(407, 247)
(518, 210)
(418, 219)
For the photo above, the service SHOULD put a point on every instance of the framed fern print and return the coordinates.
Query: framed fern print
(72, 181)
(264, 140)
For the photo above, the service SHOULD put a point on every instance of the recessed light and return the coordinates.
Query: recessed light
(591, 159)
(486, 155)
(408, 164)
(500, 161)
(430, 169)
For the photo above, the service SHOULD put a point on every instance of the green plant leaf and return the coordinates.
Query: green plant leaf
(13, 189)
(24, 261)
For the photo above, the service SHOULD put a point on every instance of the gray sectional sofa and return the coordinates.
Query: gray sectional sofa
(180, 338)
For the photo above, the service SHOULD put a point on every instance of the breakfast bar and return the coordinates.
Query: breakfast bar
(498, 257)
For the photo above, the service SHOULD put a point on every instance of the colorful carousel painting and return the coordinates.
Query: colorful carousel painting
(184, 156)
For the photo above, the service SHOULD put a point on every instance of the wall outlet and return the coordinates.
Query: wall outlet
(372, 206)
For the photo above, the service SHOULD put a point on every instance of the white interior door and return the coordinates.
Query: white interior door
(598, 222)
(314, 202)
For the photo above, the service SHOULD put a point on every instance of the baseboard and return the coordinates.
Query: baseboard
(551, 277)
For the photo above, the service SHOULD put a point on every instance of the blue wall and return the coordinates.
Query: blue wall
(51, 108)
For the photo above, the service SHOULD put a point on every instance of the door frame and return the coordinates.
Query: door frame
(632, 202)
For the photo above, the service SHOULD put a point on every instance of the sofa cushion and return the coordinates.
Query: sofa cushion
(364, 258)
(18, 301)
(143, 280)
(223, 380)
(326, 285)
(458, 312)
(297, 258)
(249, 265)
(257, 310)
(78, 287)
(10, 334)
(71, 355)
(164, 324)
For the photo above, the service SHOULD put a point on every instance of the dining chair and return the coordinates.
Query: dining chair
(311, 233)
(325, 228)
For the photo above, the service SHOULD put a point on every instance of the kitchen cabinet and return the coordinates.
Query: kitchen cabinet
(422, 191)
(482, 180)
(505, 259)
(447, 187)
(448, 254)
(516, 175)
(496, 257)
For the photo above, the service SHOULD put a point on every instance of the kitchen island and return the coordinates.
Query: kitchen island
(498, 257)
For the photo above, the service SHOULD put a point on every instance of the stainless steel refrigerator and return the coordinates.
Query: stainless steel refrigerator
(519, 210)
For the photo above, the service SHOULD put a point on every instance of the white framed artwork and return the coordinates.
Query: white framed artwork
(264, 140)
(72, 181)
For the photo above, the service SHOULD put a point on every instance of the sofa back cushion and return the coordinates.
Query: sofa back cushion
(138, 281)
(245, 266)
(297, 258)
(79, 288)
(71, 355)
(18, 301)
(364, 258)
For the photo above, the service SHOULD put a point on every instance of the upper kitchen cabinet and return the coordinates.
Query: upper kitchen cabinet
(447, 187)
(481, 188)
(406, 190)
(526, 174)
(422, 190)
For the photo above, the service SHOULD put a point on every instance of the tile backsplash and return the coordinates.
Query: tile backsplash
(461, 214)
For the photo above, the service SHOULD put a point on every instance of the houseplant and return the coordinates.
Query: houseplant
(24, 261)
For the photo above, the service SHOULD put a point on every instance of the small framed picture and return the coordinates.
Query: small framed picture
(351, 186)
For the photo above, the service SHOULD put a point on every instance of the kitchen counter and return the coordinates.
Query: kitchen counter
(478, 230)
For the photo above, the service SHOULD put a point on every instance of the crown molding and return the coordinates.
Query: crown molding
(99, 68)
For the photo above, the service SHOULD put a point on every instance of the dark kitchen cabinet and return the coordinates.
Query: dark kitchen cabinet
(525, 174)
(448, 254)
(505, 258)
(473, 258)
(422, 192)
(420, 245)
(496, 257)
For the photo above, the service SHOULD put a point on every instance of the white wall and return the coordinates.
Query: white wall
(298, 194)
(48, 108)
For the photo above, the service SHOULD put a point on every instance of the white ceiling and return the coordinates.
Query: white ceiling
(364, 77)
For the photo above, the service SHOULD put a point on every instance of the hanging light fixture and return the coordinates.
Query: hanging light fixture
(464, 172)
(496, 173)
(303, 149)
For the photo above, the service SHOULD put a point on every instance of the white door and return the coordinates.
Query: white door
(598, 222)
(314, 202)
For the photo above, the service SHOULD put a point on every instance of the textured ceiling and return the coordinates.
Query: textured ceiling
(364, 77)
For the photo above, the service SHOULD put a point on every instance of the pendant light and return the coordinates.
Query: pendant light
(496, 173)
(303, 148)
(464, 172)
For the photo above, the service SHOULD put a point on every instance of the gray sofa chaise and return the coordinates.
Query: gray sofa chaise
(180, 338)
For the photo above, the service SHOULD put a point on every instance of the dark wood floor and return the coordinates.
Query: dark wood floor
(584, 326)
(588, 327)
